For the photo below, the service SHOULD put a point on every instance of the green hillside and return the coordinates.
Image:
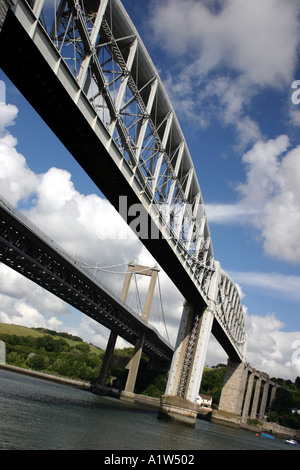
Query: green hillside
(51, 352)
(18, 330)
(69, 356)
(10, 329)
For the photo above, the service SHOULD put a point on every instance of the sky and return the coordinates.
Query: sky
(231, 69)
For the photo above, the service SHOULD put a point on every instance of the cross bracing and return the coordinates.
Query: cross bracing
(114, 70)
(98, 60)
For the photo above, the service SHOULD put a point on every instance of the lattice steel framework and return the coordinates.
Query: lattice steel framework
(104, 52)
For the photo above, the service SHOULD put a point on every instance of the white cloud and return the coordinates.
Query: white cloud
(279, 286)
(18, 287)
(17, 181)
(258, 39)
(25, 303)
(272, 185)
(21, 312)
(229, 213)
(8, 114)
(226, 53)
(269, 198)
(270, 349)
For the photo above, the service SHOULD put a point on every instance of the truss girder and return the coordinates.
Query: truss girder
(98, 56)
(111, 65)
(38, 258)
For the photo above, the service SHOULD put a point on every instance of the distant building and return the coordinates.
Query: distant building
(204, 401)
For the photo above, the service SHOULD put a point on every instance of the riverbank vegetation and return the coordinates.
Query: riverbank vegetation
(69, 356)
(55, 353)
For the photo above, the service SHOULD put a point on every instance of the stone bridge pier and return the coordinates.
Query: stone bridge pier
(246, 393)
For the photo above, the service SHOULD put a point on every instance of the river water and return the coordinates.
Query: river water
(40, 415)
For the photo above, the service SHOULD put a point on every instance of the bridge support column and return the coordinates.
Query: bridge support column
(264, 399)
(233, 390)
(273, 394)
(179, 402)
(133, 366)
(256, 398)
(248, 397)
(101, 387)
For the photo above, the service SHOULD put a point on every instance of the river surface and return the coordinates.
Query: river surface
(40, 415)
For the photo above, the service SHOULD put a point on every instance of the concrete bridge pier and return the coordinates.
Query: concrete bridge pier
(179, 402)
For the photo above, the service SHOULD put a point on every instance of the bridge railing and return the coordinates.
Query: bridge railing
(230, 310)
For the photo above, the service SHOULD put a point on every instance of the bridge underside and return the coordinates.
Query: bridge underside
(22, 62)
(27, 68)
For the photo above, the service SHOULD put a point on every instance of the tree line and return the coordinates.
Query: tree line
(69, 356)
(53, 355)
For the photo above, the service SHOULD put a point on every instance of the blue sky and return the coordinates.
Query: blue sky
(228, 67)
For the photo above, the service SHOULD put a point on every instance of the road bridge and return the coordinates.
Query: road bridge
(86, 71)
(27, 250)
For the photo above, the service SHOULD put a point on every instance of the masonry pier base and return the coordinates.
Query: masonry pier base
(127, 396)
(178, 410)
(225, 417)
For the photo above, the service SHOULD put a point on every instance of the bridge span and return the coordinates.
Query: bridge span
(86, 71)
(27, 250)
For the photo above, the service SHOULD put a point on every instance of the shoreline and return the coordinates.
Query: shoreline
(51, 378)
(277, 431)
(273, 429)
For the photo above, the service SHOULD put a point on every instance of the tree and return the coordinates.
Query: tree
(37, 362)
(283, 401)
(83, 347)
(46, 342)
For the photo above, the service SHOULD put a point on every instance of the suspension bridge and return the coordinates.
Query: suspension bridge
(84, 68)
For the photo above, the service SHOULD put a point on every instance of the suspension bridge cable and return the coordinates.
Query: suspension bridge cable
(107, 269)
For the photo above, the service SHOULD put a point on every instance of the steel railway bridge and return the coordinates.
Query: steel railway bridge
(84, 68)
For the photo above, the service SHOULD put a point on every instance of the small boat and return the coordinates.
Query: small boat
(291, 441)
(268, 435)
